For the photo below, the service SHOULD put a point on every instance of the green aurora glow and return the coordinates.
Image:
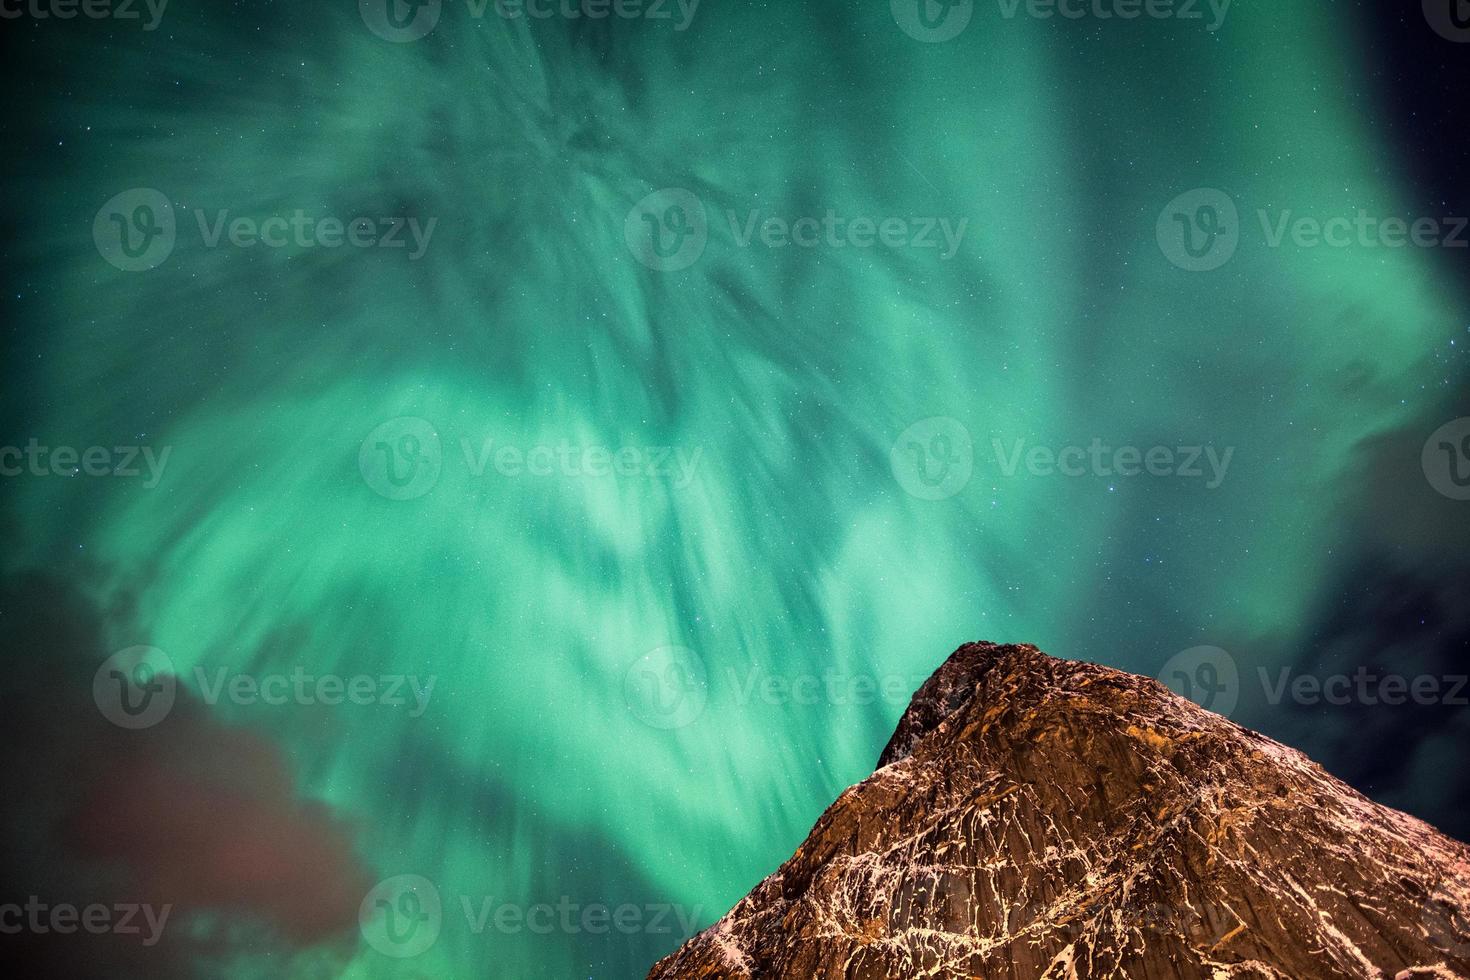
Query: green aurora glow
(791, 372)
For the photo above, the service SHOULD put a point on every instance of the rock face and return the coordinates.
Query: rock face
(1041, 818)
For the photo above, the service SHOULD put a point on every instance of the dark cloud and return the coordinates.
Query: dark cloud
(191, 813)
(1394, 605)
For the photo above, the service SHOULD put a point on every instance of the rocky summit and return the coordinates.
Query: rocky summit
(1042, 818)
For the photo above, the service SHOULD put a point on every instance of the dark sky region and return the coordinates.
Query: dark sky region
(671, 511)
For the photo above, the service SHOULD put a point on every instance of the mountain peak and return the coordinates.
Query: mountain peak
(952, 686)
(1041, 818)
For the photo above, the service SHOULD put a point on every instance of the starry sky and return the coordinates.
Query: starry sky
(673, 495)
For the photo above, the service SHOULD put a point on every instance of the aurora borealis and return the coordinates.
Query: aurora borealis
(485, 439)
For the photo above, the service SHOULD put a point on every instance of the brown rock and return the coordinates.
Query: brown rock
(1042, 818)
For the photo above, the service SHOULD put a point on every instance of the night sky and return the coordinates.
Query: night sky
(693, 385)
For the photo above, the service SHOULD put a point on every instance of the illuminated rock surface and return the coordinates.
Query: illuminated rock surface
(1034, 817)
